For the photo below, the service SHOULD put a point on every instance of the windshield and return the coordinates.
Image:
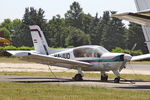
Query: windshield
(87, 52)
(101, 49)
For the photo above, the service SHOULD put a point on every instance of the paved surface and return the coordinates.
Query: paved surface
(131, 69)
(32, 67)
(137, 69)
(134, 85)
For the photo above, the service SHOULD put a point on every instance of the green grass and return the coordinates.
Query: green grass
(35, 91)
(140, 62)
(70, 74)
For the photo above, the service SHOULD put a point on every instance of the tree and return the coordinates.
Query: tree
(76, 37)
(73, 16)
(57, 32)
(136, 35)
(7, 24)
(6, 32)
(22, 35)
(114, 34)
(95, 30)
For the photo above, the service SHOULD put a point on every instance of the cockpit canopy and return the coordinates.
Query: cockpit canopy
(89, 51)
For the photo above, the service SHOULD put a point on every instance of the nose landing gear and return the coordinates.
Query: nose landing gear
(117, 79)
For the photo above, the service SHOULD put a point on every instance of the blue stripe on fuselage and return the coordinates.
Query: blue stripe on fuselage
(115, 59)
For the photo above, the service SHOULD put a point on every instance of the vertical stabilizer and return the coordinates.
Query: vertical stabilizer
(38, 39)
(143, 5)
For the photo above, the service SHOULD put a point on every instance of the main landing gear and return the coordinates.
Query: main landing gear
(79, 76)
(104, 77)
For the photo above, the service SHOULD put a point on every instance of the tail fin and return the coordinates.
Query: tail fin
(143, 5)
(38, 39)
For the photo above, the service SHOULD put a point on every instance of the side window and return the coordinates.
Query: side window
(97, 54)
(83, 52)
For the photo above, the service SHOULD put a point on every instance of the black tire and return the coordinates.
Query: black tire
(117, 80)
(78, 77)
(104, 78)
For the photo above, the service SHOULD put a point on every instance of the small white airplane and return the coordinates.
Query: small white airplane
(82, 58)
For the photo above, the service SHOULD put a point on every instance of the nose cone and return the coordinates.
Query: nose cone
(127, 57)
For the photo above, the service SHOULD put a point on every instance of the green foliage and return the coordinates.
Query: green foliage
(76, 37)
(113, 34)
(135, 35)
(70, 46)
(7, 24)
(16, 48)
(10, 48)
(120, 50)
(76, 29)
(6, 32)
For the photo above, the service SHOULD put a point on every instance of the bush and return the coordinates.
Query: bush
(134, 52)
(4, 53)
(16, 48)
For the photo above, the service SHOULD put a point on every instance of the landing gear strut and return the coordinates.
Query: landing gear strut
(104, 77)
(117, 79)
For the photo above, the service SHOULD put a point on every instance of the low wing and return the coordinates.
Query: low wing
(50, 60)
(141, 57)
(142, 18)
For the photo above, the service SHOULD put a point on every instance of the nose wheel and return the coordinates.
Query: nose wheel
(78, 77)
(117, 79)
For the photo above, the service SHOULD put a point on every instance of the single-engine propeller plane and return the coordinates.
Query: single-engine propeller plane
(82, 58)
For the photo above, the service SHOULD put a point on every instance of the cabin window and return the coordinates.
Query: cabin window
(96, 54)
(86, 52)
(83, 52)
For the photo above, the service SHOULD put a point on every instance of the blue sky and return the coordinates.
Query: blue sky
(15, 8)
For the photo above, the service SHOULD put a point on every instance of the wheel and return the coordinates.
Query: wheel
(104, 78)
(117, 80)
(78, 77)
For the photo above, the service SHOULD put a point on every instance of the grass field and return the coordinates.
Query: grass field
(30, 91)
(42, 91)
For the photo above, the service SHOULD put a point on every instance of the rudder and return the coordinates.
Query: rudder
(39, 40)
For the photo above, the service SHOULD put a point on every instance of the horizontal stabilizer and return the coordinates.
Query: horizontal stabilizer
(20, 53)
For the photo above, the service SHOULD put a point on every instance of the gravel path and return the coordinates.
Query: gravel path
(33, 67)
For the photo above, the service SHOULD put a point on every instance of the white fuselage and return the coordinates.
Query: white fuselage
(106, 62)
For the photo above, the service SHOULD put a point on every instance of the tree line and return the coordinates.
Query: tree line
(75, 29)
